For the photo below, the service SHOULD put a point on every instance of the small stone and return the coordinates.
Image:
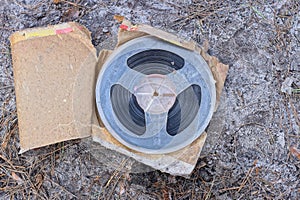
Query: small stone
(105, 30)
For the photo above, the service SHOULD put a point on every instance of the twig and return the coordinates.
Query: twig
(295, 152)
(6, 160)
(209, 192)
(114, 186)
(73, 4)
(7, 136)
(228, 189)
(117, 171)
(5, 87)
(247, 176)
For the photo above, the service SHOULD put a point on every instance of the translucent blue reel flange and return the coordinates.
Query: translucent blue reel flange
(155, 97)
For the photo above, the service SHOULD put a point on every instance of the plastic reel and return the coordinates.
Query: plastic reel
(155, 97)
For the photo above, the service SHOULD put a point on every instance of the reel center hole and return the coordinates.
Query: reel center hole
(155, 94)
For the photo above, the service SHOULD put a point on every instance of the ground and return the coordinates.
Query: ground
(253, 153)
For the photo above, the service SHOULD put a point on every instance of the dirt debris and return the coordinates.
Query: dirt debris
(254, 157)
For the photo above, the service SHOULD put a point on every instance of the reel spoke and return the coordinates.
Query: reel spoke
(130, 79)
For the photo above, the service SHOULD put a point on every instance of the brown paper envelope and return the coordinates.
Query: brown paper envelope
(54, 72)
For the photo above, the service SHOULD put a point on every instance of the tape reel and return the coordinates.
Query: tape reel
(155, 97)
